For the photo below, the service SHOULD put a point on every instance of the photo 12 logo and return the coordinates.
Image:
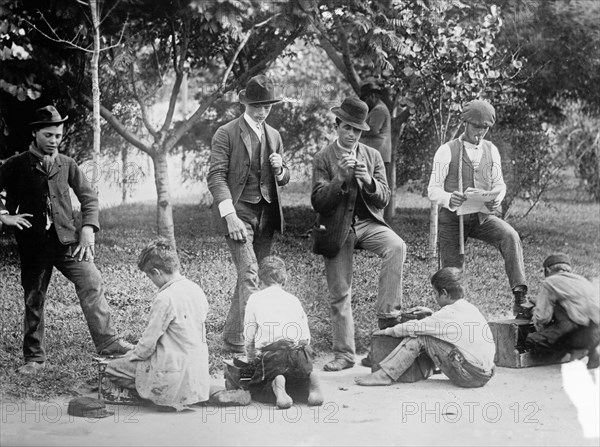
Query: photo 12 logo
(453, 412)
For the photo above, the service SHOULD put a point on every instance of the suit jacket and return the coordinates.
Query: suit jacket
(334, 200)
(27, 187)
(230, 165)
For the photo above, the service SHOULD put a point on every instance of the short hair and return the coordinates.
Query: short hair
(450, 279)
(160, 254)
(337, 121)
(271, 271)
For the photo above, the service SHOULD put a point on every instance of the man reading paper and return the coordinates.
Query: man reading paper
(481, 169)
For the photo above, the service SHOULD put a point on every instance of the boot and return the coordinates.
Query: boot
(283, 399)
(315, 396)
(523, 308)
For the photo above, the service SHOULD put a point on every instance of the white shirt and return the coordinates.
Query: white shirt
(460, 324)
(441, 163)
(274, 314)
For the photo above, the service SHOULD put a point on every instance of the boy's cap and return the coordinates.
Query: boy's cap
(88, 407)
(479, 113)
(557, 258)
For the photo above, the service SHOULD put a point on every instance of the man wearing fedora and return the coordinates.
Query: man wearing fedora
(566, 313)
(38, 206)
(349, 193)
(245, 174)
(480, 167)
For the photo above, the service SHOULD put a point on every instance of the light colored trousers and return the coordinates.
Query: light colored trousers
(377, 238)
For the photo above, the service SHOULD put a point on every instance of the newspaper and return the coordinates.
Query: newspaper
(476, 199)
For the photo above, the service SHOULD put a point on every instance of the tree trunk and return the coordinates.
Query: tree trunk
(433, 230)
(164, 208)
(124, 174)
(95, 86)
(390, 211)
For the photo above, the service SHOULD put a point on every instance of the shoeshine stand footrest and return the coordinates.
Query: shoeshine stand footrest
(236, 377)
(383, 345)
(509, 337)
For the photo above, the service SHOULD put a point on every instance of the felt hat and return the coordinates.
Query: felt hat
(369, 87)
(479, 113)
(353, 111)
(259, 90)
(557, 258)
(47, 116)
(88, 407)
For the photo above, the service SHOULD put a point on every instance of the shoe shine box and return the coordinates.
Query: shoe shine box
(509, 337)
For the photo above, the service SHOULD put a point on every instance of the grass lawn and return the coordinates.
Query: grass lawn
(553, 226)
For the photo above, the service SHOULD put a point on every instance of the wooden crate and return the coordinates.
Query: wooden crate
(382, 345)
(509, 337)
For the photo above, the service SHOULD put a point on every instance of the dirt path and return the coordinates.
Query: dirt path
(517, 407)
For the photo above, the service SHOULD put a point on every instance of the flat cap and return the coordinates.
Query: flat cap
(557, 258)
(479, 113)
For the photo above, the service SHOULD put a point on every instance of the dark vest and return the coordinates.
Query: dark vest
(478, 178)
(260, 183)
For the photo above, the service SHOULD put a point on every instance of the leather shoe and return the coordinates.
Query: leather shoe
(367, 361)
(117, 348)
(31, 368)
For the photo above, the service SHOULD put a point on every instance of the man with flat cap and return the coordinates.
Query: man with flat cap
(38, 206)
(245, 174)
(566, 313)
(349, 193)
(478, 160)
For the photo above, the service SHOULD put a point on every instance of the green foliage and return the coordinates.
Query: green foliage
(206, 260)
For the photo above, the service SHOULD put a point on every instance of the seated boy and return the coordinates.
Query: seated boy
(277, 340)
(456, 338)
(169, 364)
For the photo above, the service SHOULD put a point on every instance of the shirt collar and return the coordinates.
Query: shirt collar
(468, 145)
(344, 149)
(254, 125)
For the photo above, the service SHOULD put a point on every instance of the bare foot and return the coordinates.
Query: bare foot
(315, 396)
(283, 398)
(378, 378)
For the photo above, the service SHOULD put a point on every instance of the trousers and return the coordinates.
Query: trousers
(375, 237)
(491, 230)
(37, 261)
(260, 228)
(445, 356)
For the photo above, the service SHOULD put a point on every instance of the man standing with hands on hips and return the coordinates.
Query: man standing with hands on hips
(479, 167)
(246, 171)
(38, 206)
(349, 193)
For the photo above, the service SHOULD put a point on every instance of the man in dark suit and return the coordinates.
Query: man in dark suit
(246, 171)
(38, 205)
(349, 194)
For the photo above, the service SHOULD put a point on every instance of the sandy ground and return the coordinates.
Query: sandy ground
(544, 405)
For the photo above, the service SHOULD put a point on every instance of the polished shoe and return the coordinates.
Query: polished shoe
(338, 365)
(31, 368)
(235, 349)
(522, 307)
(367, 361)
(117, 348)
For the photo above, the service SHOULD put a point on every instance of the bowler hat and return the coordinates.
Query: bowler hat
(353, 111)
(259, 90)
(479, 113)
(88, 407)
(369, 87)
(557, 258)
(47, 116)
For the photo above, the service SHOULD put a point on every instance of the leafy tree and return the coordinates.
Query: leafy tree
(225, 42)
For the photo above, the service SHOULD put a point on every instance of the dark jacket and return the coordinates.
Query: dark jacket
(27, 187)
(230, 164)
(334, 201)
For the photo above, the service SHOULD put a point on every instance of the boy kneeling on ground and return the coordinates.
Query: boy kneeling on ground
(169, 364)
(277, 341)
(456, 338)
